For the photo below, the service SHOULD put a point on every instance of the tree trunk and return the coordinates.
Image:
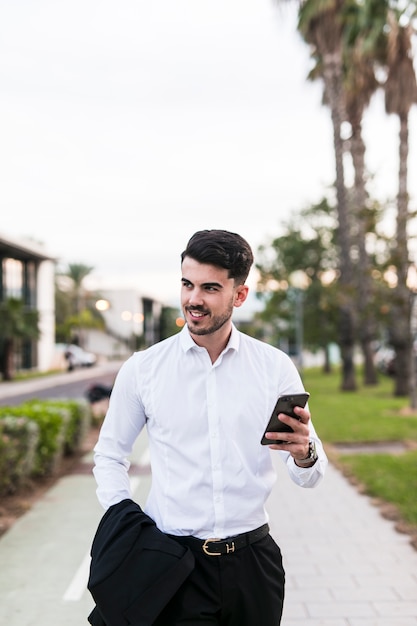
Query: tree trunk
(7, 360)
(332, 75)
(327, 367)
(401, 336)
(370, 376)
(413, 379)
(366, 322)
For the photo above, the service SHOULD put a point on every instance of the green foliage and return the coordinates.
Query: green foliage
(75, 308)
(79, 422)
(87, 318)
(61, 427)
(391, 478)
(77, 272)
(18, 440)
(370, 414)
(167, 322)
(51, 423)
(18, 321)
(306, 249)
(358, 47)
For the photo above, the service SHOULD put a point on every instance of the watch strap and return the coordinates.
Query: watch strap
(311, 458)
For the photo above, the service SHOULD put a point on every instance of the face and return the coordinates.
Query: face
(208, 297)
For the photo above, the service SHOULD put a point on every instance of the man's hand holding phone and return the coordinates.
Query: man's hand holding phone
(289, 430)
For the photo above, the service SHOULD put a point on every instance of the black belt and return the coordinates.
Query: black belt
(217, 547)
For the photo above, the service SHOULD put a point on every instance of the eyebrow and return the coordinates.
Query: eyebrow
(219, 285)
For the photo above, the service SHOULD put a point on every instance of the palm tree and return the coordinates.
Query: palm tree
(17, 323)
(347, 40)
(321, 25)
(400, 95)
(363, 44)
(77, 272)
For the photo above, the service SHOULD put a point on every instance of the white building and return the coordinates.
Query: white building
(128, 315)
(27, 273)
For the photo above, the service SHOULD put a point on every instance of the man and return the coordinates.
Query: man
(205, 396)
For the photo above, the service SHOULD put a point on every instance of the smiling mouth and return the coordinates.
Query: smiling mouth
(196, 314)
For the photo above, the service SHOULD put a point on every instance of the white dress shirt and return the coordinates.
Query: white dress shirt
(211, 476)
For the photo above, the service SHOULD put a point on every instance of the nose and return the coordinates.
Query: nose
(195, 297)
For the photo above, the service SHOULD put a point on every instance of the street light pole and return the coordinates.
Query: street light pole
(298, 281)
(299, 325)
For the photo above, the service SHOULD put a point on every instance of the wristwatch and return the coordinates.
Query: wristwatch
(310, 459)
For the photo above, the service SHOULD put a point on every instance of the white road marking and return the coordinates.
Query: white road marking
(78, 584)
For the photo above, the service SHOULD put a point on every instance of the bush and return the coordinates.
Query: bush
(62, 425)
(18, 440)
(52, 424)
(79, 423)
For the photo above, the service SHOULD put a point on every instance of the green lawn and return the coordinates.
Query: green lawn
(371, 414)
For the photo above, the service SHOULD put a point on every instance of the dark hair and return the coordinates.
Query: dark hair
(223, 249)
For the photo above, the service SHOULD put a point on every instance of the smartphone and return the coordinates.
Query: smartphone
(285, 404)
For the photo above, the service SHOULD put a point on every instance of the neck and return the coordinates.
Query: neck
(215, 342)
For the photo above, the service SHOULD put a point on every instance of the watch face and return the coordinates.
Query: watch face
(312, 451)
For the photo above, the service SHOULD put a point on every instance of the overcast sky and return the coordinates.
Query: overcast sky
(126, 126)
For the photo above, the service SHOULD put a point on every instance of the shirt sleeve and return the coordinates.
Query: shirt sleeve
(124, 421)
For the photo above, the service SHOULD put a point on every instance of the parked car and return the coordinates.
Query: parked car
(74, 356)
(385, 360)
(77, 357)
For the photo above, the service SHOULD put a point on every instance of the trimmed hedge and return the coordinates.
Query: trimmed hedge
(78, 420)
(19, 437)
(60, 427)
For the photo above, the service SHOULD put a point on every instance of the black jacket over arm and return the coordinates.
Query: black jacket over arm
(135, 569)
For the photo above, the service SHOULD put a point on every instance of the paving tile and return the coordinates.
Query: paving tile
(345, 564)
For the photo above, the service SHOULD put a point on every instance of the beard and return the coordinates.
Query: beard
(215, 322)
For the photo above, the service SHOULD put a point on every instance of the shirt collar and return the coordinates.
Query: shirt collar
(187, 342)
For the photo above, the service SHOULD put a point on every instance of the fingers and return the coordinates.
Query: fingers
(292, 441)
(299, 424)
(303, 414)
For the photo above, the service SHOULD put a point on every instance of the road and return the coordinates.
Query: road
(72, 385)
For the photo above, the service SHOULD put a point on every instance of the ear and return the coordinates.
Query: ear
(241, 295)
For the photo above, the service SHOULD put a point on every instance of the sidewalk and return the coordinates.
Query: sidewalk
(345, 564)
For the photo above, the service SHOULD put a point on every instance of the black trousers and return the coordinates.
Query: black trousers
(244, 588)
